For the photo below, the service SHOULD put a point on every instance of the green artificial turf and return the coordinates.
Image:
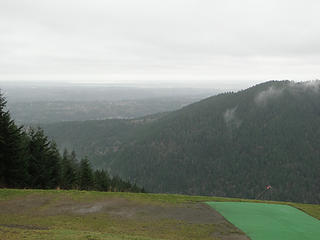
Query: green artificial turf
(269, 221)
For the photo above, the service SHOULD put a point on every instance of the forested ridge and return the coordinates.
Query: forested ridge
(28, 159)
(232, 144)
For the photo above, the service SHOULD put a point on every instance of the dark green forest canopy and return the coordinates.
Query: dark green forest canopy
(99, 139)
(232, 144)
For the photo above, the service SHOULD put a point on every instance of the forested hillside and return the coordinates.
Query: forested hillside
(232, 144)
(99, 139)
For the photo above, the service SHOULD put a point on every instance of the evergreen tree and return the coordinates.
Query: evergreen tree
(13, 168)
(68, 172)
(53, 166)
(86, 176)
(75, 164)
(101, 180)
(43, 162)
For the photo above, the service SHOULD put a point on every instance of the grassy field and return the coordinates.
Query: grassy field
(55, 214)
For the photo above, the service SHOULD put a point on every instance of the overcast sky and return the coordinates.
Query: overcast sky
(170, 42)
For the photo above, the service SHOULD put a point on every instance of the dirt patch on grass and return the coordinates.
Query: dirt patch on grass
(34, 204)
(191, 213)
(24, 204)
(120, 208)
(198, 213)
(26, 227)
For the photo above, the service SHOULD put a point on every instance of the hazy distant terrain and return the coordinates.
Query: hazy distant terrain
(47, 103)
(59, 111)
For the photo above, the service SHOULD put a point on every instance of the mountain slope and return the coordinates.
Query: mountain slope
(233, 145)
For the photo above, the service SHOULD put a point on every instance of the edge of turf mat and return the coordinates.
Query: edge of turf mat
(262, 221)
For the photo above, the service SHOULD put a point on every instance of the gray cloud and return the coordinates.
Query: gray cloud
(231, 119)
(264, 96)
(207, 42)
(310, 85)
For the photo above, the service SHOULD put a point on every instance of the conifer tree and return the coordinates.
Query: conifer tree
(53, 166)
(101, 180)
(75, 164)
(68, 171)
(13, 168)
(86, 176)
(43, 161)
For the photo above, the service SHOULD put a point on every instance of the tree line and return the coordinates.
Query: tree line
(28, 159)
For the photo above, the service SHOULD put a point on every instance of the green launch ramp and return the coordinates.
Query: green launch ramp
(269, 221)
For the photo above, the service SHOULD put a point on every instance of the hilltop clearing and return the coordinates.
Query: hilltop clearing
(52, 214)
(35, 214)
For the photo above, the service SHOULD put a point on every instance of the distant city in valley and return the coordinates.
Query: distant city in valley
(36, 103)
